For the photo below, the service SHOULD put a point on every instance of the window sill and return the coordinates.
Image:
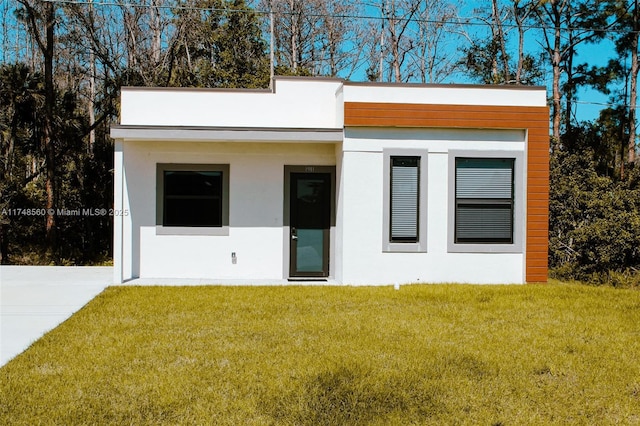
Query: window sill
(403, 248)
(192, 230)
(484, 248)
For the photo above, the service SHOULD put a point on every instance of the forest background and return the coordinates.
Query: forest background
(62, 63)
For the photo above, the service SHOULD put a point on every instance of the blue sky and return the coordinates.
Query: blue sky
(592, 101)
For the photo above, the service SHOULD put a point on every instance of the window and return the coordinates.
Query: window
(405, 200)
(486, 206)
(192, 198)
(405, 190)
(484, 200)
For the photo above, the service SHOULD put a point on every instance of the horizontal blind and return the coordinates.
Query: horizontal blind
(404, 198)
(483, 223)
(484, 178)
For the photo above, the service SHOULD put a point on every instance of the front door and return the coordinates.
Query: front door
(309, 223)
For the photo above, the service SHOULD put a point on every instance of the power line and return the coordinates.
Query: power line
(460, 21)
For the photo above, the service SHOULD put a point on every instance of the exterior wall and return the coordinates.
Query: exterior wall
(445, 94)
(364, 261)
(337, 238)
(251, 131)
(312, 104)
(255, 210)
(497, 115)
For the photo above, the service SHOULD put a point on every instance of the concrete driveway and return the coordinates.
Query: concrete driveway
(36, 299)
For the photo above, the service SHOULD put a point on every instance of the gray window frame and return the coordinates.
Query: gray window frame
(519, 199)
(405, 246)
(191, 230)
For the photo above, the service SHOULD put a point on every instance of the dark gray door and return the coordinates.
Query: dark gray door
(310, 222)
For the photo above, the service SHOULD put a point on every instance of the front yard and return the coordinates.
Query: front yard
(428, 354)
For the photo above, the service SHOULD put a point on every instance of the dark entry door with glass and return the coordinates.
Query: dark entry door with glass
(309, 224)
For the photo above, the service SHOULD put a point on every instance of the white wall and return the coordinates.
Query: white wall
(256, 184)
(447, 94)
(301, 103)
(256, 232)
(296, 103)
(364, 262)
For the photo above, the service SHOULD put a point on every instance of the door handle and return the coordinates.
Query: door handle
(294, 234)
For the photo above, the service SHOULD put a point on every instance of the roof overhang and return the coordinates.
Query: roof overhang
(225, 134)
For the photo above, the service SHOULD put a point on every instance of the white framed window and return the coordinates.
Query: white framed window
(192, 199)
(486, 201)
(405, 200)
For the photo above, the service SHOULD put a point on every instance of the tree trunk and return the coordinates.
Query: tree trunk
(519, 23)
(92, 96)
(4, 246)
(129, 23)
(397, 27)
(395, 53)
(555, 63)
(570, 86)
(49, 138)
(156, 32)
(501, 41)
(633, 95)
(294, 35)
(382, 29)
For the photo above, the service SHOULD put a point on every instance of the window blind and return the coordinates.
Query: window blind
(483, 183)
(480, 223)
(405, 174)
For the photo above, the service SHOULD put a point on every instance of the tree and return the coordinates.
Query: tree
(295, 34)
(628, 25)
(491, 61)
(338, 55)
(567, 25)
(219, 47)
(20, 103)
(396, 16)
(523, 11)
(436, 32)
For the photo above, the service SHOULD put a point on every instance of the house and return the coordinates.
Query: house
(323, 179)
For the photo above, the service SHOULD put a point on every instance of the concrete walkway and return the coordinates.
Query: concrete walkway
(36, 299)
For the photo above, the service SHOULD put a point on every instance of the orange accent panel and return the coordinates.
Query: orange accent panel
(538, 200)
(537, 211)
(539, 174)
(540, 242)
(533, 119)
(537, 233)
(537, 275)
(538, 262)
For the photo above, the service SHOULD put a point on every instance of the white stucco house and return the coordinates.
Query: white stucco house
(322, 179)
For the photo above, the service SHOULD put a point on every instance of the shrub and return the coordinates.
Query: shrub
(594, 226)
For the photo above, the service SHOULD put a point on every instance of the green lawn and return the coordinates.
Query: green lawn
(427, 354)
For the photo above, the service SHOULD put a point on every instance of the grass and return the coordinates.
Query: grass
(441, 354)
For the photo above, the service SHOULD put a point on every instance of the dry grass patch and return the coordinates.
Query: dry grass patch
(553, 354)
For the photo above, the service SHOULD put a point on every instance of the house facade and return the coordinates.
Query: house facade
(322, 179)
